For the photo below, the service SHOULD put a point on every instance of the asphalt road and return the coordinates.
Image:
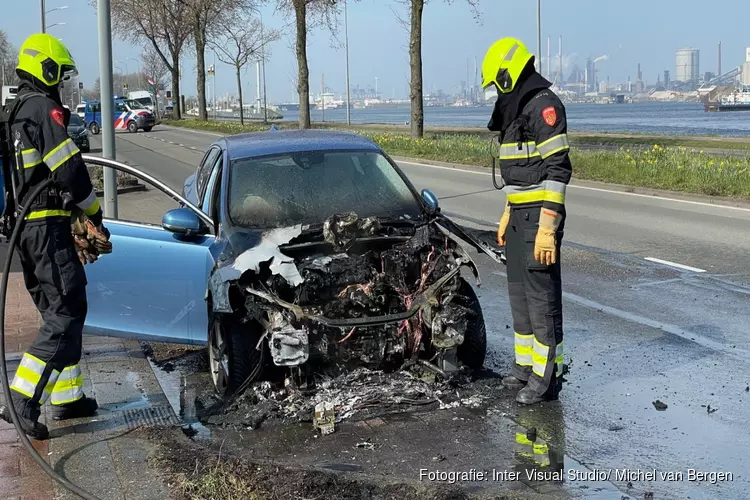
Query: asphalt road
(636, 330)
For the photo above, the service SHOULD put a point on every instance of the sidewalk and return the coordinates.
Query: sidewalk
(105, 454)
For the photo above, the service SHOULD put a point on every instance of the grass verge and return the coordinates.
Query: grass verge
(661, 166)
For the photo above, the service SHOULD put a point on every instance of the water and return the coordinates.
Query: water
(668, 118)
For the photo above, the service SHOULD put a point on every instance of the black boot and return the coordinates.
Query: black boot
(84, 407)
(28, 417)
(512, 382)
(529, 396)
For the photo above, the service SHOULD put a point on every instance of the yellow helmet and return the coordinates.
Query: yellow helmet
(47, 59)
(503, 64)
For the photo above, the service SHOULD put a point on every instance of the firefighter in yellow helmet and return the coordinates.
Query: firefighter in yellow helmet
(535, 167)
(52, 269)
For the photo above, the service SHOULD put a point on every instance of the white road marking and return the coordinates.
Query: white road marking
(194, 149)
(588, 188)
(675, 264)
(171, 142)
(182, 145)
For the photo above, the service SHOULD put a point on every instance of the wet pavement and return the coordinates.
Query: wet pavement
(656, 399)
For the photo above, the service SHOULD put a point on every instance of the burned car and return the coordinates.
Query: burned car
(323, 258)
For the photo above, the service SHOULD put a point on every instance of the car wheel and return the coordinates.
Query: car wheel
(132, 127)
(233, 359)
(94, 128)
(147, 129)
(474, 347)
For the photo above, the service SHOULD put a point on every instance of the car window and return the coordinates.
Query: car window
(120, 106)
(75, 120)
(211, 186)
(309, 187)
(204, 170)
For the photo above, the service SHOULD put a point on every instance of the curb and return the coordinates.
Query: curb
(124, 190)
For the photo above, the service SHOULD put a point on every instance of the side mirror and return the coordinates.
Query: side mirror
(431, 200)
(183, 221)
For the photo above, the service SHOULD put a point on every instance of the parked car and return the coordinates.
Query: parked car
(311, 248)
(78, 132)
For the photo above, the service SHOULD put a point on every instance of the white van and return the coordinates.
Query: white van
(81, 111)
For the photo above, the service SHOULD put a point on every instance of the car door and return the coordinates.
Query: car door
(153, 284)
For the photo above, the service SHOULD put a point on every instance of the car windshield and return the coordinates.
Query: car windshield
(133, 104)
(75, 120)
(145, 101)
(309, 187)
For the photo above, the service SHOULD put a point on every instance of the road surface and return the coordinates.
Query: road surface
(657, 307)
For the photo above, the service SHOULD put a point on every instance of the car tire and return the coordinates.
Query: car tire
(473, 350)
(147, 129)
(234, 361)
(94, 128)
(132, 127)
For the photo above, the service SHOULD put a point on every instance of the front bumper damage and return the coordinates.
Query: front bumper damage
(362, 295)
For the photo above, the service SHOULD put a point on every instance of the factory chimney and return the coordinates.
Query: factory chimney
(719, 73)
(561, 66)
(630, 86)
(640, 75)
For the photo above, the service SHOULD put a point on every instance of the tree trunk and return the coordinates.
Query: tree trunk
(176, 87)
(303, 79)
(415, 61)
(239, 91)
(200, 53)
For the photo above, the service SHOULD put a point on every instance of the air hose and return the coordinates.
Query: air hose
(20, 222)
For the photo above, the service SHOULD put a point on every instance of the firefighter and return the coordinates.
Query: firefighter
(535, 167)
(52, 270)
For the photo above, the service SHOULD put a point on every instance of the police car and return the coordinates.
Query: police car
(129, 114)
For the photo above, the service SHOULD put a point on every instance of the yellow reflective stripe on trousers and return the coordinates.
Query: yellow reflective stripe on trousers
(31, 158)
(28, 375)
(553, 145)
(516, 150)
(523, 348)
(41, 214)
(69, 386)
(559, 359)
(60, 154)
(546, 191)
(539, 356)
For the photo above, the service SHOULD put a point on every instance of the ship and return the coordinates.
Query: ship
(736, 101)
(378, 104)
(288, 106)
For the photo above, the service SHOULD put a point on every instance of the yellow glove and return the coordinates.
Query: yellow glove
(503, 226)
(545, 245)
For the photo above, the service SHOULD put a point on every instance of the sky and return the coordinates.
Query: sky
(638, 31)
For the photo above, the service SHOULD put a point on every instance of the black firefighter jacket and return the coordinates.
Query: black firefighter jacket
(42, 148)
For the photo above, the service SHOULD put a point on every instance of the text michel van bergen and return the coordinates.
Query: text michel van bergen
(575, 475)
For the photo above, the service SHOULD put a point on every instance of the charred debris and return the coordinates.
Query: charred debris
(380, 294)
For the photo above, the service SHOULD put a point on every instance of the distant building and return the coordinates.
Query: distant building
(666, 79)
(747, 54)
(687, 66)
(746, 73)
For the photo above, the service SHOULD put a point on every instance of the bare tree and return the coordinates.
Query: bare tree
(242, 40)
(205, 17)
(8, 61)
(308, 14)
(155, 23)
(416, 95)
(153, 66)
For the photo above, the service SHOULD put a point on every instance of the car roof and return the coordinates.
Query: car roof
(255, 144)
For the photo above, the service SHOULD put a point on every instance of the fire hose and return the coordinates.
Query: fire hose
(12, 242)
(3, 368)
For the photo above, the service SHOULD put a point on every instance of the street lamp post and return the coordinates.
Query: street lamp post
(140, 75)
(348, 95)
(539, 33)
(263, 65)
(53, 25)
(44, 17)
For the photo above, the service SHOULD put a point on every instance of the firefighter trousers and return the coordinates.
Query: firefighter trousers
(535, 292)
(56, 281)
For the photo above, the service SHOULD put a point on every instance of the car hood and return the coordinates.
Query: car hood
(75, 129)
(279, 252)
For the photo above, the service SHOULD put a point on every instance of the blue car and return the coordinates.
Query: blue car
(311, 251)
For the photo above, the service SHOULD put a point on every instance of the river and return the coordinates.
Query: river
(668, 118)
